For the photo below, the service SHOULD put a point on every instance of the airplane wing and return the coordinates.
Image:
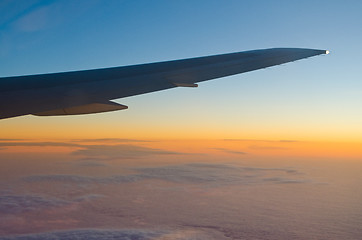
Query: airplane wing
(90, 91)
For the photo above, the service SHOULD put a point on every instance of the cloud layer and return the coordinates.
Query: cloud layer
(12, 204)
(99, 151)
(208, 174)
(121, 234)
(15, 204)
(90, 234)
(119, 151)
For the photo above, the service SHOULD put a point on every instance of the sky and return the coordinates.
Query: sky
(269, 154)
(313, 99)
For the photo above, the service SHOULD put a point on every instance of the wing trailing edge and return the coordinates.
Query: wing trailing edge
(84, 109)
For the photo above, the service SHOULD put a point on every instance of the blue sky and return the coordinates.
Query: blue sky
(322, 94)
(63, 35)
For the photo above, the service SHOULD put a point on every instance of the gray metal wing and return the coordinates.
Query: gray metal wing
(89, 91)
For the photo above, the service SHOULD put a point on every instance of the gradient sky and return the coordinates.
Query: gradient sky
(270, 154)
(314, 99)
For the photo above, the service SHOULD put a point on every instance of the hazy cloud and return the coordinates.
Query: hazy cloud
(90, 234)
(10, 139)
(50, 15)
(207, 174)
(261, 140)
(285, 170)
(76, 179)
(96, 151)
(280, 180)
(120, 151)
(38, 144)
(34, 20)
(256, 147)
(229, 151)
(90, 164)
(213, 173)
(88, 197)
(124, 234)
(14, 204)
(11, 10)
(110, 140)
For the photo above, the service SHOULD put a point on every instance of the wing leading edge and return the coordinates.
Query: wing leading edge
(89, 91)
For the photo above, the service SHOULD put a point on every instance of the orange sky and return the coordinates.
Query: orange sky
(230, 148)
(148, 126)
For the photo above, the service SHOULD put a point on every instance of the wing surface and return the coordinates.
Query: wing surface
(89, 91)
